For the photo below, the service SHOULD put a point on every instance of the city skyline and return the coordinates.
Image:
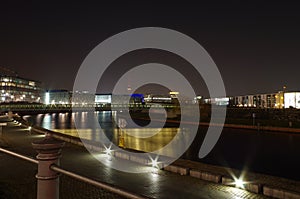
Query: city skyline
(254, 45)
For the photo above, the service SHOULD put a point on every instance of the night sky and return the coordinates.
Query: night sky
(255, 46)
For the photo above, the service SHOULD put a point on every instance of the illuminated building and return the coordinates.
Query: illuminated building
(292, 100)
(17, 89)
(220, 101)
(271, 100)
(57, 97)
(103, 99)
(279, 97)
(255, 100)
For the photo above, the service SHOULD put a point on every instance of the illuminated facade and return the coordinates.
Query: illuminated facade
(220, 101)
(292, 100)
(103, 99)
(271, 100)
(57, 97)
(17, 89)
(256, 100)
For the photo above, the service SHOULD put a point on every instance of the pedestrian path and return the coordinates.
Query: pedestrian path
(19, 175)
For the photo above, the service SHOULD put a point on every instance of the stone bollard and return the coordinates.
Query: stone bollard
(49, 152)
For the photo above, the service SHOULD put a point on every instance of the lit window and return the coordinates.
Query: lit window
(31, 83)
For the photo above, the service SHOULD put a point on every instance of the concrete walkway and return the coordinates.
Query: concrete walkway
(17, 177)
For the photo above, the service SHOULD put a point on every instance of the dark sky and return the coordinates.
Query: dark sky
(256, 46)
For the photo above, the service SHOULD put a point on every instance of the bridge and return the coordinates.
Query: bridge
(53, 108)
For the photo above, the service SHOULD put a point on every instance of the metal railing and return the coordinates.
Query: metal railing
(19, 156)
(48, 171)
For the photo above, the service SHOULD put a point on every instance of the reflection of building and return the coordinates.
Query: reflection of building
(14, 88)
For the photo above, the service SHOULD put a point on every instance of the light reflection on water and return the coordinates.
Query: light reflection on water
(140, 139)
(259, 151)
(128, 140)
(46, 121)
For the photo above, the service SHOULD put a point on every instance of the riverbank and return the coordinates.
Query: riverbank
(256, 183)
(160, 184)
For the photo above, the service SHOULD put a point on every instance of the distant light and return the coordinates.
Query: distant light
(29, 128)
(174, 93)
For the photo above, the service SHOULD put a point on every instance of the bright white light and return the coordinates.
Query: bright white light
(239, 183)
(108, 150)
(47, 98)
(154, 162)
(29, 128)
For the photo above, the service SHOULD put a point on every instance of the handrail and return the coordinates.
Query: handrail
(19, 156)
(98, 184)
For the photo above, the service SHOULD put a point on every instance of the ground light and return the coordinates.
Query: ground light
(108, 150)
(154, 162)
(29, 128)
(239, 183)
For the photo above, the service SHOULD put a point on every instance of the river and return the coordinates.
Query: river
(272, 153)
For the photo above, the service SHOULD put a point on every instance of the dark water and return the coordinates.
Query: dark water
(271, 153)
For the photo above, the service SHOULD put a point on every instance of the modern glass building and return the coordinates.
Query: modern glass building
(57, 97)
(17, 89)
